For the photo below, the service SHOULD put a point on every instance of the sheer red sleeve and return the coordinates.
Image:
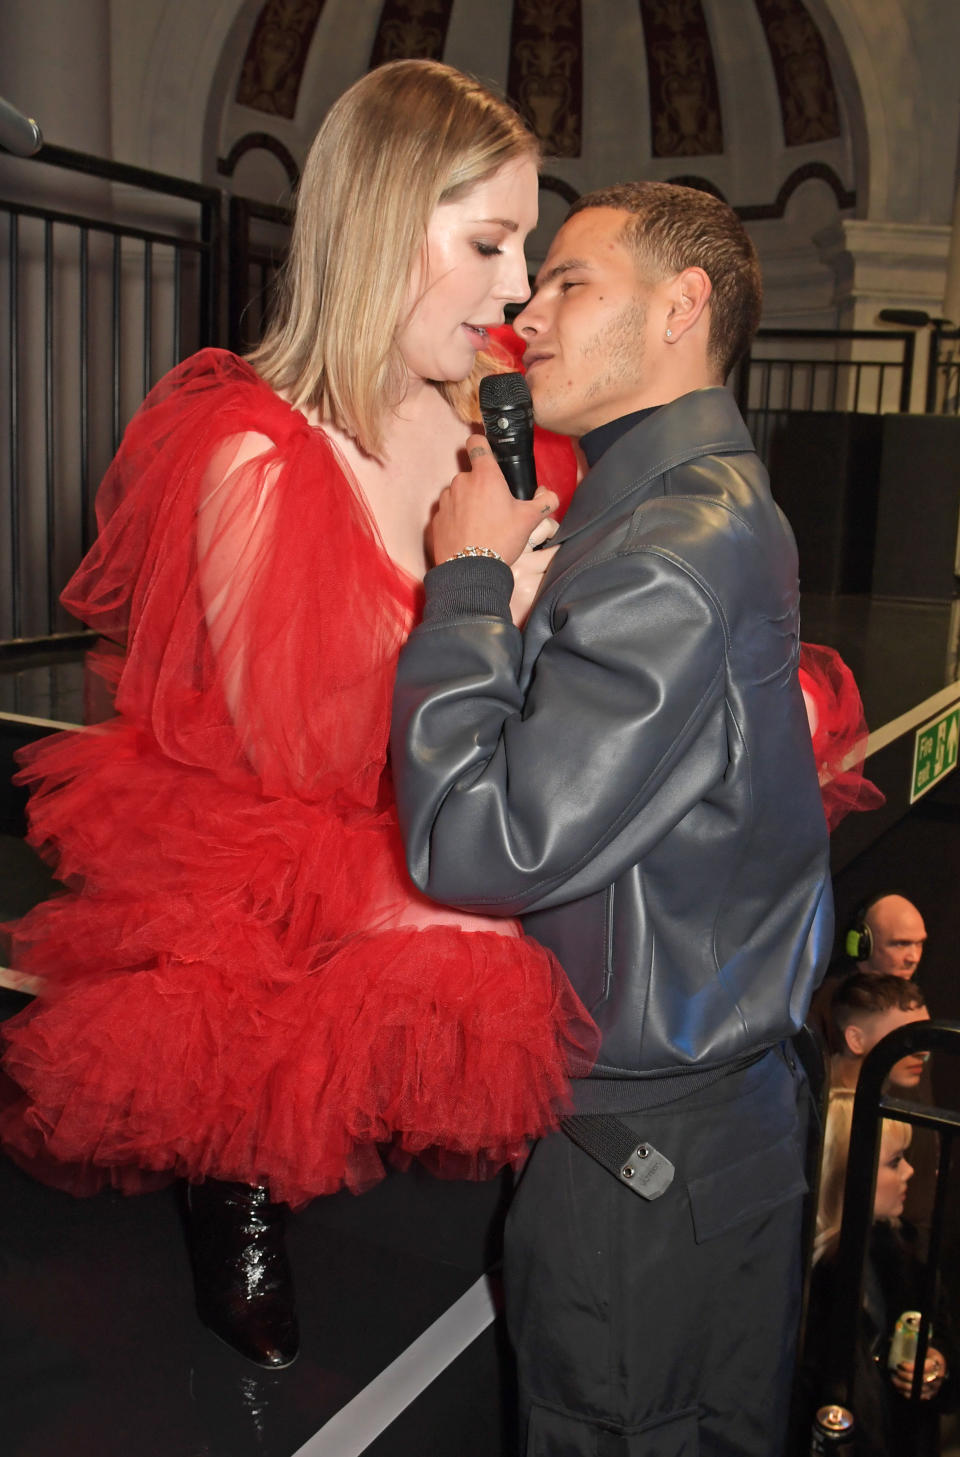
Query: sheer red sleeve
(839, 732)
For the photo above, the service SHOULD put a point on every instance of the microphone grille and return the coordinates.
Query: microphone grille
(499, 390)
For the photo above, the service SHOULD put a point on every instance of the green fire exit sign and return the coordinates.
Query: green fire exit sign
(935, 751)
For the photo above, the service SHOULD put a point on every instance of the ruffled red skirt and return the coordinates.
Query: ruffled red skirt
(226, 992)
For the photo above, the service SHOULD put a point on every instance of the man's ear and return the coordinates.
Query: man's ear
(687, 297)
(854, 1038)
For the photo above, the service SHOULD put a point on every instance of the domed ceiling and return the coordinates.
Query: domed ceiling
(741, 97)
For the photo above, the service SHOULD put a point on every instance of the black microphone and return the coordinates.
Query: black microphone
(507, 411)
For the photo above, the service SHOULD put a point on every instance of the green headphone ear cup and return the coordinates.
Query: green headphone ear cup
(858, 943)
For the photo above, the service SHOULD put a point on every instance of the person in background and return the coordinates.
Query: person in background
(865, 1007)
(887, 1422)
(887, 934)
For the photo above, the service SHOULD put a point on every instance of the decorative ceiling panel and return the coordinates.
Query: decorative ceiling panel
(685, 116)
(545, 80)
(277, 53)
(411, 29)
(808, 100)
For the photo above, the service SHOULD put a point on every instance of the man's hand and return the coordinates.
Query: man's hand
(934, 1371)
(477, 509)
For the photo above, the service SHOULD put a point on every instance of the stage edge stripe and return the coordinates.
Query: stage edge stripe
(371, 1411)
(897, 727)
(38, 722)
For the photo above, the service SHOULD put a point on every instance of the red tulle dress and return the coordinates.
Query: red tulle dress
(838, 729)
(241, 981)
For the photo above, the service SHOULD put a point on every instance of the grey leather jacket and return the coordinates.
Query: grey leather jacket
(633, 776)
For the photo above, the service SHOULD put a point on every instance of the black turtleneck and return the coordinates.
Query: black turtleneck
(595, 442)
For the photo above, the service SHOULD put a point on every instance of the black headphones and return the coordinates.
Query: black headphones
(858, 942)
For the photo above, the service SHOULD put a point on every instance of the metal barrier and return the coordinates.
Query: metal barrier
(810, 1054)
(871, 1106)
(852, 371)
(259, 234)
(102, 301)
(943, 372)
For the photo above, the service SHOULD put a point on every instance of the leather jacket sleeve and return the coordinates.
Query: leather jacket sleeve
(526, 782)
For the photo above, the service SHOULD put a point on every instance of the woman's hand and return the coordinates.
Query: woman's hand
(934, 1372)
(529, 570)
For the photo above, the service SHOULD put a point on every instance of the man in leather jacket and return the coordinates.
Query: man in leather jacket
(633, 777)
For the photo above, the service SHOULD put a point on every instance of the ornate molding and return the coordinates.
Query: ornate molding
(701, 184)
(881, 264)
(758, 212)
(776, 209)
(566, 190)
(259, 141)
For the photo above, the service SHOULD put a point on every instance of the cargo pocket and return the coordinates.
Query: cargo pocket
(557, 1434)
(745, 1190)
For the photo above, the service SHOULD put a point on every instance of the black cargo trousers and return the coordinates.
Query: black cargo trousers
(665, 1328)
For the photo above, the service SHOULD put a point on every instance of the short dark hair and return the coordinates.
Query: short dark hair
(673, 228)
(864, 993)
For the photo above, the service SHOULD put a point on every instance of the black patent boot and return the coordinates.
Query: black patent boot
(241, 1274)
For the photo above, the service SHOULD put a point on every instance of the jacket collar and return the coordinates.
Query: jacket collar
(704, 422)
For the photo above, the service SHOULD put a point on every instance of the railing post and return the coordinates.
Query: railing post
(210, 271)
(933, 370)
(906, 375)
(84, 289)
(238, 245)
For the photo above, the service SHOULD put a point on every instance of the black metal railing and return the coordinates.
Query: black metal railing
(943, 372)
(259, 234)
(852, 371)
(871, 1106)
(102, 300)
(105, 297)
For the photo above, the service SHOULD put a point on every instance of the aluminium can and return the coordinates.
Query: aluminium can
(903, 1344)
(833, 1431)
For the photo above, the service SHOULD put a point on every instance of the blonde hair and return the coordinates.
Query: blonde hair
(833, 1167)
(404, 138)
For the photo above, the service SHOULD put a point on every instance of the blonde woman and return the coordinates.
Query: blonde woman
(886, 1424)
(242, 986)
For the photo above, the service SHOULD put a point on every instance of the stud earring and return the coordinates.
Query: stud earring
(669, 333)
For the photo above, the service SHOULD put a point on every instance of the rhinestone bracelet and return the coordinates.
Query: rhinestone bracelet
(476, 551)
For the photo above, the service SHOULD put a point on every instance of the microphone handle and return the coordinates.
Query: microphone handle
(518, 471)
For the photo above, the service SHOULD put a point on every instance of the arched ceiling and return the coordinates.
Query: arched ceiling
(739, 95)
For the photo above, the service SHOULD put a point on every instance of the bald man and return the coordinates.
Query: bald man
(887, 938)
(897, 936)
